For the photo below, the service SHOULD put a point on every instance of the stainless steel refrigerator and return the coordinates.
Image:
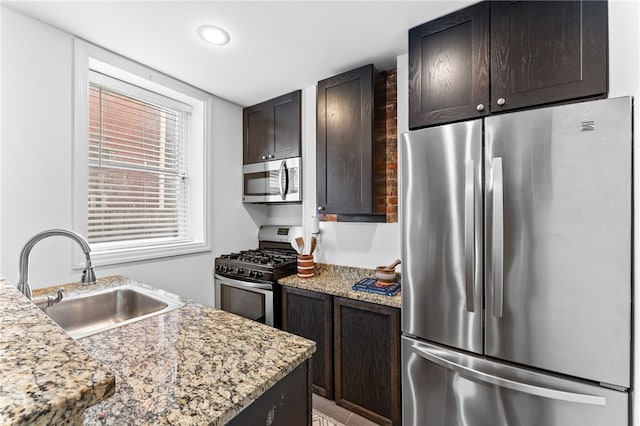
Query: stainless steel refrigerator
(517, 244)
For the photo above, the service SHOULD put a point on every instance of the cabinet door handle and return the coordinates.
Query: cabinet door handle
(271, 156)
(264, 157)
(480, 107)
(502, 101)
(320, 208)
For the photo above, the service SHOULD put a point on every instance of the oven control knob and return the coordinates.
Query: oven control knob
(240, 271)
(225, 268)
(259, 274)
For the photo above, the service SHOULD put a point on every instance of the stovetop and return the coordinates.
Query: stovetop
(268, 257)
(261, 265)
(273, 259)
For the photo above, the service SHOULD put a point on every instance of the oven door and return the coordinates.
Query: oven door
(272, 181)
(247, 299)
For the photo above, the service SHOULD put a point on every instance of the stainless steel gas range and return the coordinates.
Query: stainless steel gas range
(245, 282)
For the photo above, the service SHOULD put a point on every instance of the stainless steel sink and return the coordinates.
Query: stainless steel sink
(102, 310)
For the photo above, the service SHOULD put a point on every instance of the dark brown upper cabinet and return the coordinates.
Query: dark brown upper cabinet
(271, 129)
(547, 51)
(531, 52)
(344, 145)
(449, 68)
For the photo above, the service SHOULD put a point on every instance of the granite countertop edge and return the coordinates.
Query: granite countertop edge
(231, 361)
(47, 377)
(338, 280)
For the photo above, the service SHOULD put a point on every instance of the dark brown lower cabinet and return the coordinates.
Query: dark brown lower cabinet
(309, 314)
(357, 360)
(367, 359)
(288, 402)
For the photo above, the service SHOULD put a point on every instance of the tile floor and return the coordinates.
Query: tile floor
(338, 413)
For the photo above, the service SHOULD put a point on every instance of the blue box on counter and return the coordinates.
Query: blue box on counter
(369, 285)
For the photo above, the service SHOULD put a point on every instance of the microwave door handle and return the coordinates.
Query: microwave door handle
(286, 178)
(283, 189)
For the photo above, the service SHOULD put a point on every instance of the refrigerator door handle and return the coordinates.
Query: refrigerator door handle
(497, 253)
(517, 386)
(469, 232)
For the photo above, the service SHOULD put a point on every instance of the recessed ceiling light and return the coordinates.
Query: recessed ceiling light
(214, 35)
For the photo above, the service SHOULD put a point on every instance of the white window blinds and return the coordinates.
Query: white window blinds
(138, 182)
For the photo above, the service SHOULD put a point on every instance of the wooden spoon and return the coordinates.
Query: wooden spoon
(314, 243)
(300, 243)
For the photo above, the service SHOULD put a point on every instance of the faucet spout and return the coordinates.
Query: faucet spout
(88, 275)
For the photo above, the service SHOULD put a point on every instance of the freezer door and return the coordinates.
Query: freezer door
(441, 234)
(441, 387)
(558, 239)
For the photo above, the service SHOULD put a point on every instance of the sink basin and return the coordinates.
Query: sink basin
(101, 310)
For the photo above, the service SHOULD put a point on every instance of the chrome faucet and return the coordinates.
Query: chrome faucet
(88, 276)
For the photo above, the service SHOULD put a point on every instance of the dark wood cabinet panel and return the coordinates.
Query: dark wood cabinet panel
(357, 361)
(287, 134)
(309, 314)
(256, 133)
(272, 129)
(499, 56)
(367, 359)
(287, 403)
(344, 142)
(547, 51)
(449, 68)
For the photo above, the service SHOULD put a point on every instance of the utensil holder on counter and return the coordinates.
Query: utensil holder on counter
(306, 266)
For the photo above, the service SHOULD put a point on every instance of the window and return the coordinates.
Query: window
(140, 160)
(138, 176)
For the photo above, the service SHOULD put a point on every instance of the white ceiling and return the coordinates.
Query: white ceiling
(275, 48)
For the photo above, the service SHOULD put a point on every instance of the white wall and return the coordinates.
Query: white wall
(1, 103)
(365, 245)
(624, 79)
(36, 170)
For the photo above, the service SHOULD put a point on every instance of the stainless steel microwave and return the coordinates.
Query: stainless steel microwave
(277, 181)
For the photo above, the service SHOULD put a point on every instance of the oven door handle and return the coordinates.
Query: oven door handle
(239, 283)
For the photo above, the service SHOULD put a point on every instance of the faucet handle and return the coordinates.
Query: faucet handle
(50, 300)
(59, 296)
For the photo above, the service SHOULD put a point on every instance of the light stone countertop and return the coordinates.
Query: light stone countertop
(338, 280)
(45, 376)
(191, 366)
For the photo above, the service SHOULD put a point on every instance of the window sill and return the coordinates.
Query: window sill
(137, 254)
